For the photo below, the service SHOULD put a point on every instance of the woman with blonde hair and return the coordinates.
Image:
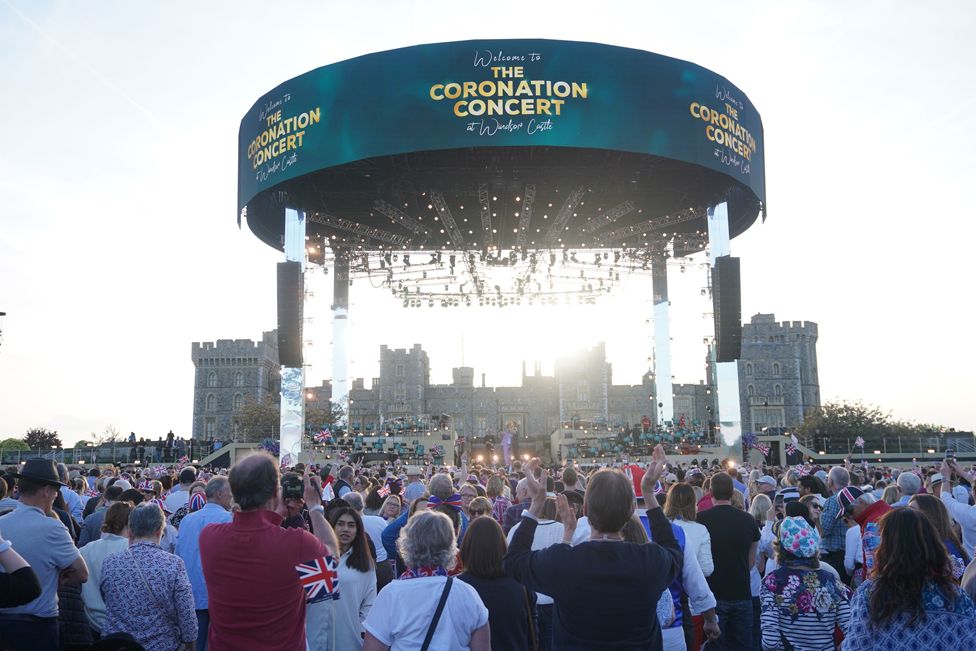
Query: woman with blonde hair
(479, 506)
(891, 494)
(495, 489)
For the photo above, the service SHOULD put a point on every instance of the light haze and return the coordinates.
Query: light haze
(119, 244)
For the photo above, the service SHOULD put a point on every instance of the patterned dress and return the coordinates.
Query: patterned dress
(499, 506)
(948, 624)
(160, 621)
(802, 606)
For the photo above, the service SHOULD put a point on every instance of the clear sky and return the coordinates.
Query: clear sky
(119, 246)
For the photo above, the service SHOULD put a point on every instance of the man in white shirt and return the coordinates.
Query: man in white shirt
(961, 512)
(180, 495)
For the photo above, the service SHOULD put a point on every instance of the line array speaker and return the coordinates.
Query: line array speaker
(727, 307)
(291, 294)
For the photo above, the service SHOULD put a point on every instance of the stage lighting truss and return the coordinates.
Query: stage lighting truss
(429, 257)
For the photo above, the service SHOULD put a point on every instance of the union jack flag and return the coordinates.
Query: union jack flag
(384, 490)
(91, 492)
(791, 449)
(762, 447)
(319, 578)
(802, 471)
(324, 436)
(859, 442)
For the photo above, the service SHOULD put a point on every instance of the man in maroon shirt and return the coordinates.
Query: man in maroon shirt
(255, 598)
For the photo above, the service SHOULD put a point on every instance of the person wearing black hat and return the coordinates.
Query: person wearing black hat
(46, 545)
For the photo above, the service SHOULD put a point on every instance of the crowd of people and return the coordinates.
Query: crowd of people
(676, 556)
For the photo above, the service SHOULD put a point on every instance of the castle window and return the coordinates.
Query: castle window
(748, 370)
(211, 402)
(776, 368)
(212, 379)
(238, 379)
(210, 427)
(399, 370)
(238, 401)
(583, 392)
(750, 391)
(778, 390)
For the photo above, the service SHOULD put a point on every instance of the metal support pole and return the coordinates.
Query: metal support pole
(340, 327)
(292, 418)
(726, 373)
(662, 338)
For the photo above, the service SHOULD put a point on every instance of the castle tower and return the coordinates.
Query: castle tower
(779, 381)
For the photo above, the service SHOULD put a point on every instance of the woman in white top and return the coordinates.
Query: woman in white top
(404, 609)
(357, 584)
(115, 531)
(549, 532)
(680, 507)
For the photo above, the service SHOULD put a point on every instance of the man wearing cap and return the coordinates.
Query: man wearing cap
(46, 545)
(767, 486)
(414, 488)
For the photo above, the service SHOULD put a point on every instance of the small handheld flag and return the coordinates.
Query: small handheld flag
(319, 578)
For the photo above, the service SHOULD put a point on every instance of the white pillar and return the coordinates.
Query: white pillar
(726, 373)
(292, 423)
(662, 339)
(340, 327)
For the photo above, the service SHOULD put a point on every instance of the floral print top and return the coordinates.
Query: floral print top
(802, 606)
(949, 623)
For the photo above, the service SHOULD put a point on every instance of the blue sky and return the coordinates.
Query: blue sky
(118, 242)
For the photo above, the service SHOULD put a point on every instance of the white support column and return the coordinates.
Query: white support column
(340, 327)
(663, 385)
(726, 373)
(292, 423)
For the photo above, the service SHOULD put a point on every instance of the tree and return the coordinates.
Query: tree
(81, 444)
(14, 444)
(110, 434)
(262, 419)
(41, 438)
(843, 422)
(259, 419)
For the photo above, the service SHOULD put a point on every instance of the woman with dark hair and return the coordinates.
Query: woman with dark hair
(373, 502)
(357, 581)
(937, 513)
(511, 608)
(802, 603)
(910, 601)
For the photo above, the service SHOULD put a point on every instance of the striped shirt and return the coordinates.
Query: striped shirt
(802, 606)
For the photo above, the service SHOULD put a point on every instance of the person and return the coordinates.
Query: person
(374, 502)
(802, 603)
(195, 497)
(621, 581)
(46, 545)
(18, 581)
(91, 528)
(937, 514)
(735, 539)
(495, 493)
(146, 590)
(114, 538)
(373, 524)
(891, 494)
(479, 506)
(833, 531)
(441, 492)
(549, 531)
(414, 488)
(467, 493)
(344, 483)
(75, 507)
(960, 509)
(216, 510)
(522, 502)
(180, 495)
(254, 596)
(357, 581)
(680, 509)
(511, 608)
(428, 546)
(672, 636)
(392, 508)
(909, 484)
(910, 601)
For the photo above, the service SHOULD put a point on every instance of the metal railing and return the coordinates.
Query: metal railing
(118, 453)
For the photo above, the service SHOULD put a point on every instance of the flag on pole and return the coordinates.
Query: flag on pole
(319, 578)
(859, 442)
